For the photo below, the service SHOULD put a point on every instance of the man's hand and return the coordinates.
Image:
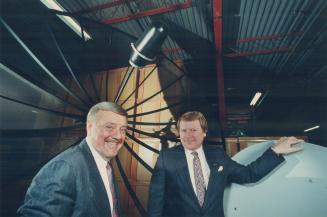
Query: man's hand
(286, 145)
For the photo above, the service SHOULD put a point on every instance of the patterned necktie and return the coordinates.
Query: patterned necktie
(198, 177)
(112, 190)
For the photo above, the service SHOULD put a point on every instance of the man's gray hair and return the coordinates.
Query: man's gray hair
(105, 106)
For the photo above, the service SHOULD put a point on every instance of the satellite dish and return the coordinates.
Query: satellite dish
(297, 188)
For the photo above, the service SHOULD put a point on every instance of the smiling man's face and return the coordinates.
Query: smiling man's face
(107, 133)
(191, 134)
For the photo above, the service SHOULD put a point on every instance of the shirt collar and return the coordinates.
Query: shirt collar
(97, 157)
(198, 150)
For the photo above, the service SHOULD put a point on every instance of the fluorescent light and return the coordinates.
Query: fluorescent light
(312, 128)
(73, 24)
(255, 98)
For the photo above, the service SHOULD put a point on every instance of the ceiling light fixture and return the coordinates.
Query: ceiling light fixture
(255, 98)
(73, 24)
(312, 128)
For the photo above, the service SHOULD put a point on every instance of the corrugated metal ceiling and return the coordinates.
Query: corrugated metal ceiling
(266, 32)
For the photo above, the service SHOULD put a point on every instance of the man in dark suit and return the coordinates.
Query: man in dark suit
(189, 180)
(79, 181)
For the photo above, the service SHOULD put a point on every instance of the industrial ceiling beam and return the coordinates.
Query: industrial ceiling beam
(266, 38)
(258, 52)
(151, 12)
(218, 30)
(103, 6)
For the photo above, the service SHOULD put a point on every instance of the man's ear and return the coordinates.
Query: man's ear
(88, 126)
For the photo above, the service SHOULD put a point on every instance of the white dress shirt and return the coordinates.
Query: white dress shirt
(102, 167)
(204, 166)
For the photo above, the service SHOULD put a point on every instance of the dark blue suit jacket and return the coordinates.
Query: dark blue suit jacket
(171, 193)
(68, 185)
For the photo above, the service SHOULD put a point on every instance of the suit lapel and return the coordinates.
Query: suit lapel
(117, 192)
(184, 176)
(101, 200)
(213, 162)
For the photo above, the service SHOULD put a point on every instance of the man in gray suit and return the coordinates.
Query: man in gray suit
(189, 180)
(79, 181)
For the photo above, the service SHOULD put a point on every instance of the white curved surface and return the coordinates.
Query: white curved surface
(297, 188)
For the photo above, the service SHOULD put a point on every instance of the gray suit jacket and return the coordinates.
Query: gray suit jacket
(171, 192)
(68, 185)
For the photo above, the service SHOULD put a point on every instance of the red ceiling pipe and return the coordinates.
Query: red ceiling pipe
(258, 52)
(218, 29)
(269, 37)
(151, 12)
(266, 38)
